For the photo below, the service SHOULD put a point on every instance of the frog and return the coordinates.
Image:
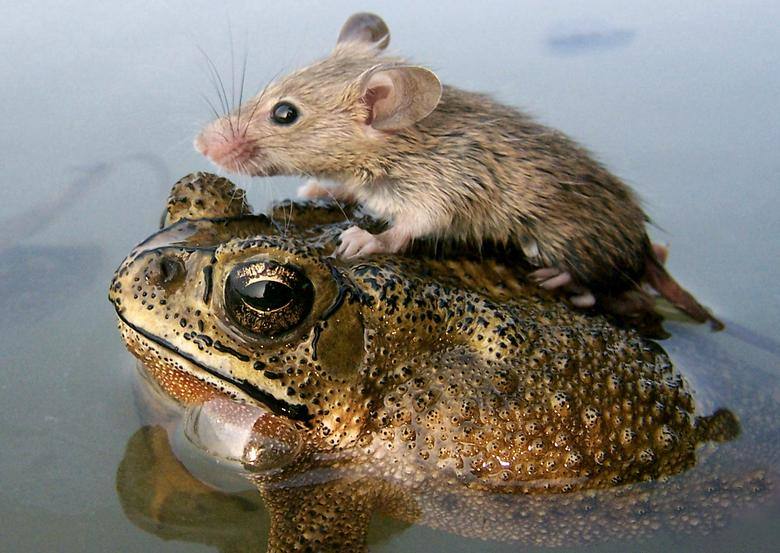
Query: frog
(414, 385)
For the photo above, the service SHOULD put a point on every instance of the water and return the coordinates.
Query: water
(685, 110)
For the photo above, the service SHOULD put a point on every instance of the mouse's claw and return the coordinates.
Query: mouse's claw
(356, 242)
(584, 300)
(551, 278)
(558, 281)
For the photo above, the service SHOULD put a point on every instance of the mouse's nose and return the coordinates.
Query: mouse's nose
(224, 145)
(201, 145)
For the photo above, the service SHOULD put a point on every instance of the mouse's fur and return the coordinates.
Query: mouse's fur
(441, 162)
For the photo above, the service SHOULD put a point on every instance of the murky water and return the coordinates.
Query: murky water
(680, 100)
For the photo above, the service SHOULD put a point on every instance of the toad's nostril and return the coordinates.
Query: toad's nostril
(170, 269)
(166, 272)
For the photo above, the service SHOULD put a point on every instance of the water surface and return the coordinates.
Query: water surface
(685, 111)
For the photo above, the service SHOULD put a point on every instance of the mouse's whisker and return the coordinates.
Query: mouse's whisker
(237, 193)
(210, 104)
(338, 204)
(232, 63)
(219, 96)
(257, 103)
(221, 88)
(287, 217)
(289, 220)
(241, 90)
(249, 120)
(212, 74)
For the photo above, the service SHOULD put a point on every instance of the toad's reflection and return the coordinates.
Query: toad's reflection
(329, 509)
(442, 392)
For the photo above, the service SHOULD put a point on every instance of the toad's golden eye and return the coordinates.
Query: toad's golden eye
(267, 299)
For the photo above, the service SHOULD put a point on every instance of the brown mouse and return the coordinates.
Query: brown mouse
(438, 162)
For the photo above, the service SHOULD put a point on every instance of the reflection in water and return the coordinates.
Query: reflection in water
(161, 497)
(438, 392)
(331, 510)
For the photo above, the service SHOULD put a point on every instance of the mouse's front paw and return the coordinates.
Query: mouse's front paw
(313, 190)
(356, 242)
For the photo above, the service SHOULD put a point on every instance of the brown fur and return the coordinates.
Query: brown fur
(474, 170)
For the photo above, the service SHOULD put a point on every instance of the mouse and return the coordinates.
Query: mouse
(437, 162)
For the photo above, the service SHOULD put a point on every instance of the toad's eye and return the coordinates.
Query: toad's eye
(267, 299)
(284, 113)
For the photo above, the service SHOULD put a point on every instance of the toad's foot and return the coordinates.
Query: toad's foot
(551, 278)
(313, 190)
(356, 242)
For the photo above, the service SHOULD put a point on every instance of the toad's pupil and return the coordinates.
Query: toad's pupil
(267, 295)
(284, 113)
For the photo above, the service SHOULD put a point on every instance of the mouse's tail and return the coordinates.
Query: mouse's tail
(657, 277)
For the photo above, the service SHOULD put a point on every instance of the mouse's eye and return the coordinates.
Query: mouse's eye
(267, 299)
(284, 113)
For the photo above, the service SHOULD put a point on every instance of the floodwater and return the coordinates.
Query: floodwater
(679, 99)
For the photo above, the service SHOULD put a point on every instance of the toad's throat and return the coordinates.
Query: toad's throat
(274, 404)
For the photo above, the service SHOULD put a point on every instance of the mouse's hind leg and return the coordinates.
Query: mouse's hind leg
(551, 278)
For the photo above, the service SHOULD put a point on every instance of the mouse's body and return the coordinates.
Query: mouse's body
(439, 162)
(475, 170)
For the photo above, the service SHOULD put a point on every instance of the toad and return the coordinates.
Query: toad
(428, 372)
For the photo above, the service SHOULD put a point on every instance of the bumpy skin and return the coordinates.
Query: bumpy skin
(439, 374)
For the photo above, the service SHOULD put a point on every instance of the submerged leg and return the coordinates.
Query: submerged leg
(328, 517)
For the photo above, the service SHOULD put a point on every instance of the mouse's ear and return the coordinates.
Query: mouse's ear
(365, 28)
(399, 95)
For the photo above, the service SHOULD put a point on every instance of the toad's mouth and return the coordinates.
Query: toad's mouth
(189, 381)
